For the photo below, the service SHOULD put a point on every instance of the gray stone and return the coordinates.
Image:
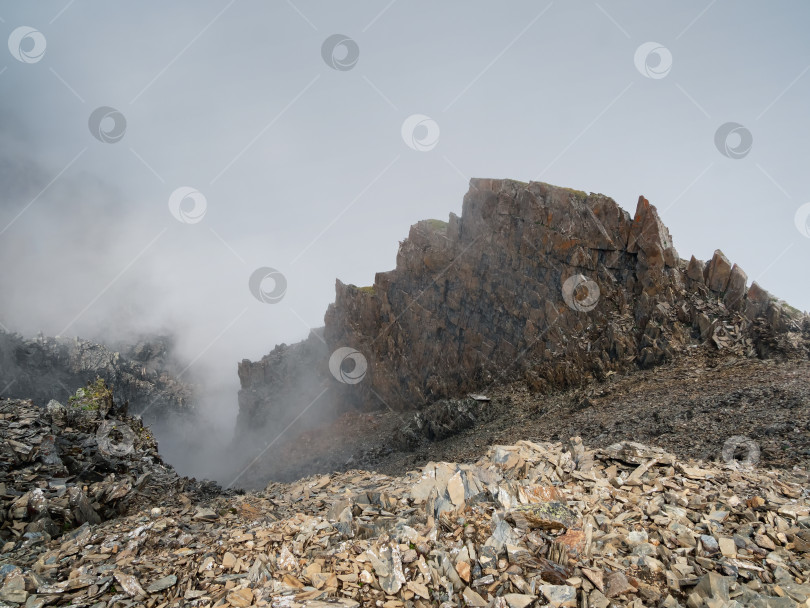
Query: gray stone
(57, 412)
(757, 301)
(162, 583)
(519, 600)
(695, 270)
(714, 586)
(82, 510)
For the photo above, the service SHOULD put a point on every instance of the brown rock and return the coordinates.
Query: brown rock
(240, 598)
(756, 301)
(538, 493)
(735, 293)
(129, 584)
(719, 272)
(597, 577)
(695, 270)
(544, 515)
(574, 540)
(617, 584)
(228, 560)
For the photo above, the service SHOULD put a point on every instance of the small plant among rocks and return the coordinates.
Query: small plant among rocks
(95, 396)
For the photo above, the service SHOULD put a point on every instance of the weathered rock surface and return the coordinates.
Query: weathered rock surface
(532, 282)
(143, 374)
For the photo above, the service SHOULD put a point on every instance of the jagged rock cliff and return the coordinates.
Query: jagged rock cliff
(533, 281)
(143, 374)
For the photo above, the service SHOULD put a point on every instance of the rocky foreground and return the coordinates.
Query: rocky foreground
(90, 516)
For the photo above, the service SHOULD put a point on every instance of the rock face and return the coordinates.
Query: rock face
(533, 281)
(288, 374)
(45, 368)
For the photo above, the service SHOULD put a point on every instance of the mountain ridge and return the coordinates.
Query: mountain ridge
(534, 282)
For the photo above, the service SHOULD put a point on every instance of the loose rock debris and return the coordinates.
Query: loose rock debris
(64, 466)
(530, 524)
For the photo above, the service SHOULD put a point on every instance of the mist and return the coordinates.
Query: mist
(292, 163)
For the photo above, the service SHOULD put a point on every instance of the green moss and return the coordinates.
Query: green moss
(577, 193)
(92, 396)
(368, 289)
(793, 311)
(437, 224)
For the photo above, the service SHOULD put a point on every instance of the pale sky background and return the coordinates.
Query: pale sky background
(304, 169)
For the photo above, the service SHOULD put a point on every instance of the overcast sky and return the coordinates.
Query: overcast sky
(290, 141)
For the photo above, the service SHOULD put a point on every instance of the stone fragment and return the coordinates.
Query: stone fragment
(637, 453)
(472, 598)
(421, 590)
(240, 598)
(206, 514)
(387, 564)
(56, 412)
(502, 535)
(518, 600)
(82, 510)
(544, 515)
(727, 546)
(455, 488)
(540, 493)
(162, 584)
(13, 589)
(695, 270)
(560, 595)
(637, 537)
(617, 584)
(228, 560)
(597, 577)
(709, 544)
(765, 542)
(575, 540)
(129, 584)
(713, 586)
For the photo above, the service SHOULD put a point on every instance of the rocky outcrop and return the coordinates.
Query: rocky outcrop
(143, 374)
(65, 466)
(532, 282)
